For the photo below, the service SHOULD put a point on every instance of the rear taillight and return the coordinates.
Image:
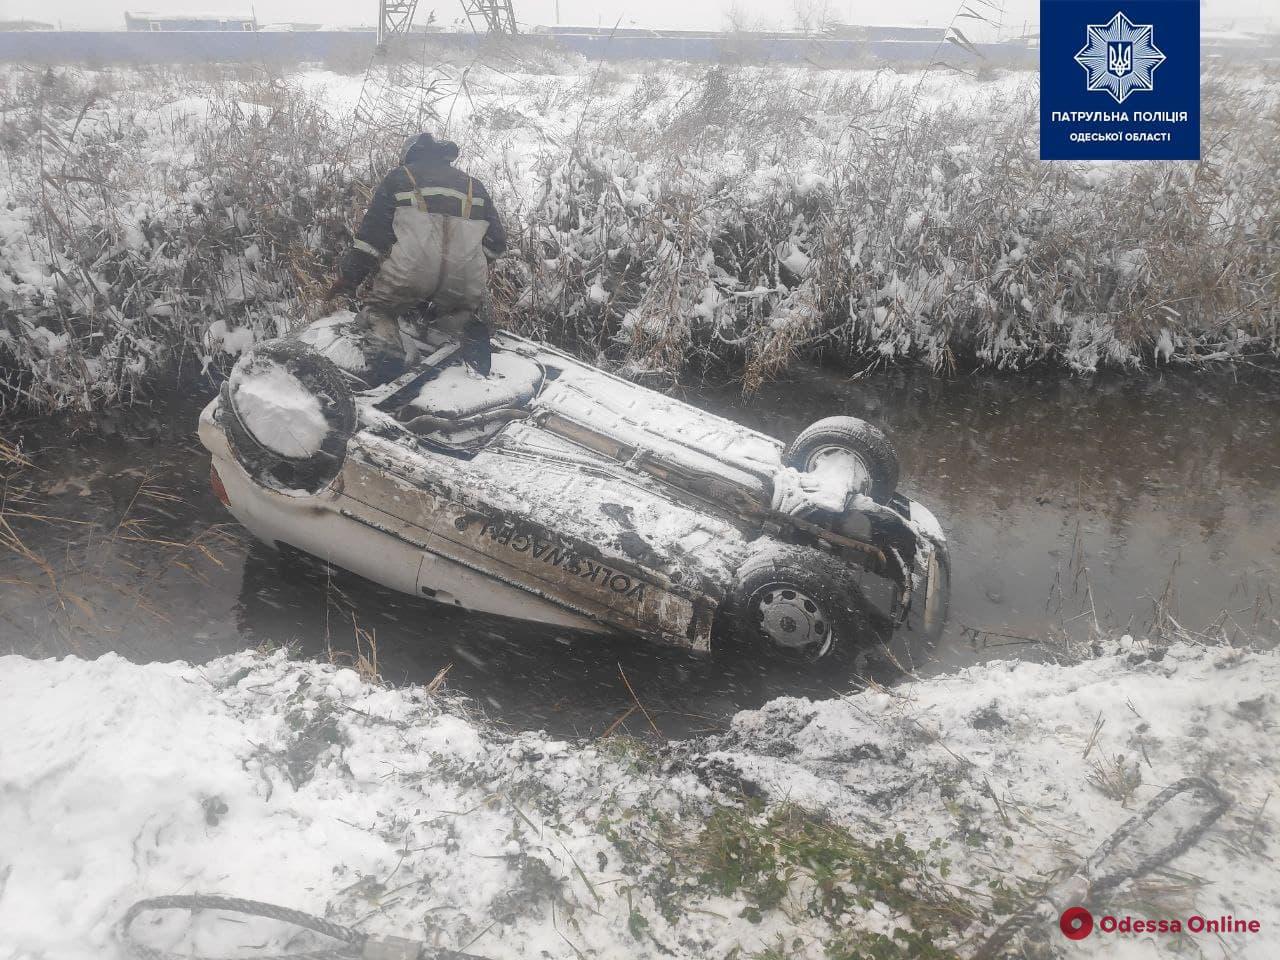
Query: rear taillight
(219, 490)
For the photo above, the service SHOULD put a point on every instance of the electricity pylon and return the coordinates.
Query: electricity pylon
(395, 18)
(402, 85)
(491, 16)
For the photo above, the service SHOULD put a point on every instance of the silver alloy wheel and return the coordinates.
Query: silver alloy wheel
(792, 620)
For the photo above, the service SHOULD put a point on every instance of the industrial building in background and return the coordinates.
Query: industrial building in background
(158, 22)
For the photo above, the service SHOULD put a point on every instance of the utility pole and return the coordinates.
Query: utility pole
(395, 18)
(491, 16)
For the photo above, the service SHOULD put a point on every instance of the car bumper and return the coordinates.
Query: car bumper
(931, 577)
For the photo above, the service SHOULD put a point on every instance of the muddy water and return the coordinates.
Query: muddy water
(1067, 503)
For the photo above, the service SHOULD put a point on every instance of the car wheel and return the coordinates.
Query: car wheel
(847, 439)
(320, 378)
(797, 604)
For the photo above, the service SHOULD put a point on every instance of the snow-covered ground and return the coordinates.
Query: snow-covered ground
(886, 823)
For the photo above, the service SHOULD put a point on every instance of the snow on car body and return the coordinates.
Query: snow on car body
(554, 492)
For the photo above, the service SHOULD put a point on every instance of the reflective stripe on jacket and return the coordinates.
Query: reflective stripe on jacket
(427, 233)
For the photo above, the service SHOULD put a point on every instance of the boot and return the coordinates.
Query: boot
(384, 364)
(477, 349)
(384, 354)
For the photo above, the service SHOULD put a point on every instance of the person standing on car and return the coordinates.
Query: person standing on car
(427, 238)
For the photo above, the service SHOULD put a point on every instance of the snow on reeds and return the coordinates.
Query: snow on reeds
(150, 219)
(665, 220)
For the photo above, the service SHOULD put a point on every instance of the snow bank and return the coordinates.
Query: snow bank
(280, 412)
(1053, 758)
(298, 783)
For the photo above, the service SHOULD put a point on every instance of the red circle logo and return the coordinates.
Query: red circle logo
(1076, 923)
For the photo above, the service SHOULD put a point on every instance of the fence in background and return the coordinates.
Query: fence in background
(89, 47)
(67, 46)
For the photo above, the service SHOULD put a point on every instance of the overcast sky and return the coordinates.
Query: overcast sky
(691, 14)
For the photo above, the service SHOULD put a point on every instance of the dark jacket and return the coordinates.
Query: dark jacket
(445, 190)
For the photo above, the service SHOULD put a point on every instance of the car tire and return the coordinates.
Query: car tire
(797, 604)
(866, 442)
(325, 381)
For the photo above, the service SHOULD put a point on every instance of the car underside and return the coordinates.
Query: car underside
(552, 491)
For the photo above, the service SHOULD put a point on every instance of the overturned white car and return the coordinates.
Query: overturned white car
(554, 492)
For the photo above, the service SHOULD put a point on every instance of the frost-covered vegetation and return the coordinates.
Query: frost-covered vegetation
(666, 219)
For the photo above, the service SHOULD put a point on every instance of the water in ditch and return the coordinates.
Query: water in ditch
(1068, 503)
